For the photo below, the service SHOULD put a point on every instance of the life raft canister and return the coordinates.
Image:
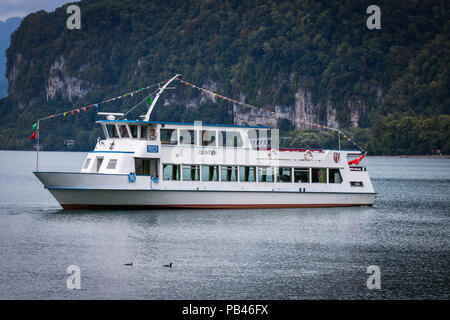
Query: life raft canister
(308, 156)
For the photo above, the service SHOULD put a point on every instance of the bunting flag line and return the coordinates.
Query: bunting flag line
(277, 115)
(95, 105)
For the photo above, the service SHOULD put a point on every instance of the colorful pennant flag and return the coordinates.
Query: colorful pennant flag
(33, 136)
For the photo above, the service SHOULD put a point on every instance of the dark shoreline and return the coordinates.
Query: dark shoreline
(435, 156)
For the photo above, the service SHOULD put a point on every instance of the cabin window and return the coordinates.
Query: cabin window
(301, 175)
(99, 163)
(230, 139)
(208, 138)
(247, 174)
(111, 164)
(210, 173)
(86, 164)
(229, 173)
(112, 131)
(191, 173)
(168, 136)
(334, 176)
(134, 131)
(265, 174)
(123, 131)
(356, 184)
(171, 172)
(284, 174)
(319, 175)
(188, 137)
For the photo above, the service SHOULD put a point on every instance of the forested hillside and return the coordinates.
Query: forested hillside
(311, 60)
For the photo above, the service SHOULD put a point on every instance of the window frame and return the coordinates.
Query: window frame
(168, 143)
(190, 167)
(177, 171)
(109, 163)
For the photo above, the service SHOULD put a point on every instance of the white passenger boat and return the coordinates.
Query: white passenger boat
(153, 164)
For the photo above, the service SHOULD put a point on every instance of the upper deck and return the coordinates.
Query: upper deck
(198, 143)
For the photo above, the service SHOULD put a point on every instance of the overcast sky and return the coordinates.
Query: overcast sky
(20, 8)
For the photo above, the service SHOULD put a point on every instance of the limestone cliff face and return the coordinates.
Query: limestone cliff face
(58, 81)
(70, 87)
(304, 111)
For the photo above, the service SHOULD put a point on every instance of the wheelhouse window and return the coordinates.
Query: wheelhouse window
(171, 172)
(86, 164)
(112, 164)
(188, 137)
(144, 132)
(284, 174)
(265, 174)
(123, 131)
(301, 175)
(208, 138)
(134, 131)
(230, 139)
(191, 173)
(112, 131)
(334, 176)
(210, 173)
(229, 173)
(319, 175)
(168, 136)
(247, 174)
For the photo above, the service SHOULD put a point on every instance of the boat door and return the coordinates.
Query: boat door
(148, 167)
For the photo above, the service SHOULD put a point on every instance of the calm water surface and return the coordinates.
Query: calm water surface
(228, 254)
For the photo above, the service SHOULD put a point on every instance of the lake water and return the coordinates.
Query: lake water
(228, 254)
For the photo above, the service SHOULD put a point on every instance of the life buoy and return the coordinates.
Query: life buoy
(308, 155)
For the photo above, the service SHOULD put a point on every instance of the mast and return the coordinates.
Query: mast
(150, 109)
(37, 148)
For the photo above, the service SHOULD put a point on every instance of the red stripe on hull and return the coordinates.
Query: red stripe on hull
(204, 206)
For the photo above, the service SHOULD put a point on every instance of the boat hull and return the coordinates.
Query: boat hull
(157, 199)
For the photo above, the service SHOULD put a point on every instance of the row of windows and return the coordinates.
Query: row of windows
(99, 160)
(250, 174)
(207, 137)
(170, 136)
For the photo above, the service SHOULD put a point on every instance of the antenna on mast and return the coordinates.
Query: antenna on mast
(150, 109)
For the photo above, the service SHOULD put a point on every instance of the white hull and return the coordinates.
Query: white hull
(82, 196)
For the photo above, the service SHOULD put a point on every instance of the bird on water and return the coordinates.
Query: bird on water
(168, 265)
